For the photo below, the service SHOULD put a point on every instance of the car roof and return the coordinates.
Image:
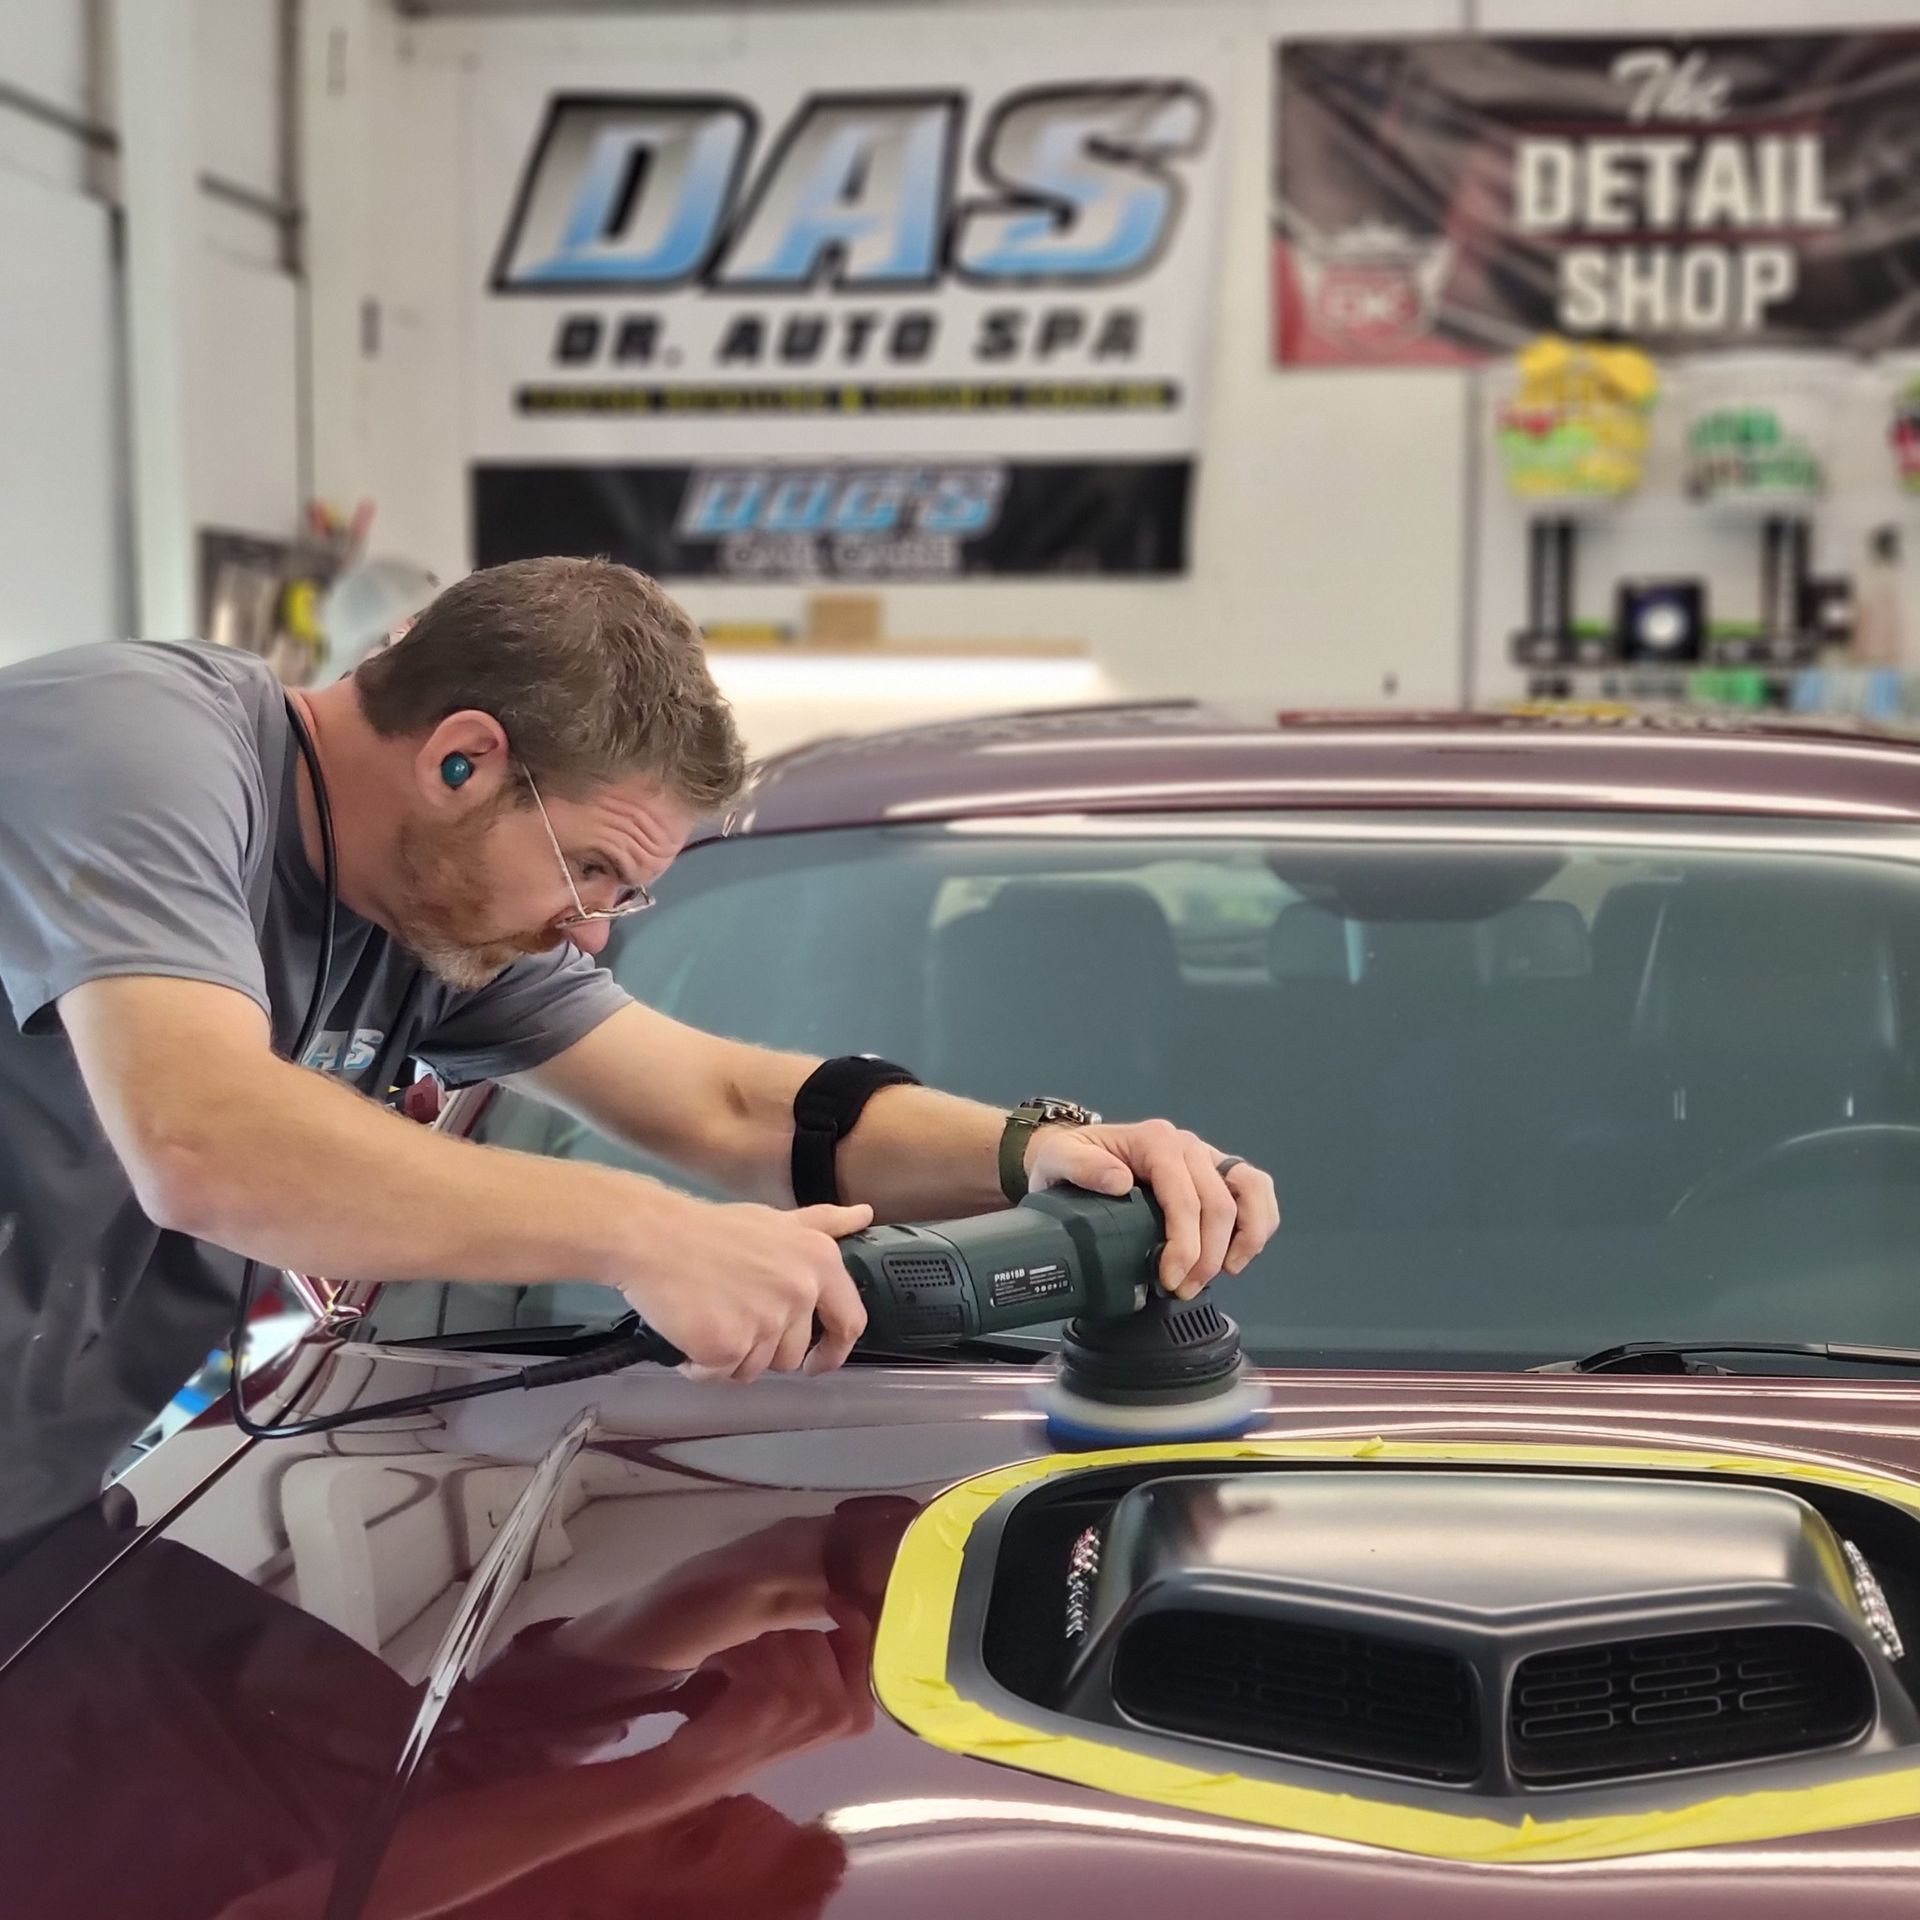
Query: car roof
(1183, 756)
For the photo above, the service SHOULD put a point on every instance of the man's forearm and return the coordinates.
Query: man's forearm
(314, 1177)
(723, 1110)
(916, 1154)
(922, 1155)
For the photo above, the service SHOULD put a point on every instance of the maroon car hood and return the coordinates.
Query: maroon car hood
(664, 1596)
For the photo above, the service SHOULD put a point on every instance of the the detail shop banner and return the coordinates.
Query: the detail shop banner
(1444, 200)
(728, 325)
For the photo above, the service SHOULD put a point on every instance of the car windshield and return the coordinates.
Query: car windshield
(1528, 1085)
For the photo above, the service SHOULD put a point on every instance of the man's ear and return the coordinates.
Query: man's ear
(464, 759)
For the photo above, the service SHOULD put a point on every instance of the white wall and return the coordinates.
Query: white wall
(62, 568)
(61, 548)
(65, 559)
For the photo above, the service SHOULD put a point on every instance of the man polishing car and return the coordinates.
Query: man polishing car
(201, 875)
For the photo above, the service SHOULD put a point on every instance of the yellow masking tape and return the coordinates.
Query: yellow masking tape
(910, 1676)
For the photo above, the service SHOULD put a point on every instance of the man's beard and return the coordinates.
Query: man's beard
(443, 921)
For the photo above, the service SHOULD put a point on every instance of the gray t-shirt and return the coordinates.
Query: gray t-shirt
(148, 826)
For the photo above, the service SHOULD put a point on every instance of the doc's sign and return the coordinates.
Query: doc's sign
(1445, 199)
(853, 324)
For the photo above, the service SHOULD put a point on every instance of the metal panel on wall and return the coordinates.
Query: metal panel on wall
(62, 493)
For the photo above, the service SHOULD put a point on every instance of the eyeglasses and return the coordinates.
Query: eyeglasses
(632, 899)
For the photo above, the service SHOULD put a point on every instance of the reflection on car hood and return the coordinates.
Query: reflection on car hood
(558, 1651)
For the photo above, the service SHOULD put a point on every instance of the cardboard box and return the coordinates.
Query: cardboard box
(845, 620)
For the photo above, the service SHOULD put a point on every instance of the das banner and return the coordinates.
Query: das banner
(726, 323)
(1445, 200)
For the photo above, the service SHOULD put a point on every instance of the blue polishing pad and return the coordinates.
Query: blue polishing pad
(1077, 1424)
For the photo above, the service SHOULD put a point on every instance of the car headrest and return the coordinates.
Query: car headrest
(1120, 923)
(1623, 928)
(1750, 964)
(1307, 943)
(1054, 985)
(1539, 940)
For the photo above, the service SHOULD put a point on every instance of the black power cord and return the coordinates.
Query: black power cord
(620, 1350)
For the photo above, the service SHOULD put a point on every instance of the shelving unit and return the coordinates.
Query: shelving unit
(1782, 641)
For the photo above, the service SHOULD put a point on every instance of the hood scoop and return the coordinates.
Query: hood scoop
(1501, 1633)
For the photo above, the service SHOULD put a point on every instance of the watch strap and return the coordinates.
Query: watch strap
(1022, 1123)
(1013, 1154)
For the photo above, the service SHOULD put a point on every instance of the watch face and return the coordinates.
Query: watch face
(1048, 1112)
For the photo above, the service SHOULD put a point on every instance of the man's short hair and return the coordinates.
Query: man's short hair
(592, 670)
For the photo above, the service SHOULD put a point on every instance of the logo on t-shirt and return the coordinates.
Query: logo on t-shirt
(346, 1052)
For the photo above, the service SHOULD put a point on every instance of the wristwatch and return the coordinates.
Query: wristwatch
(1022, 1123)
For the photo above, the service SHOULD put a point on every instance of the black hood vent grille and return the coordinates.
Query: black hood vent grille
(1455, 1636)
(1305, 1692)
(1684, 1700)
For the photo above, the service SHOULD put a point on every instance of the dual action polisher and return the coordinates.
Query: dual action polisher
(1135, 1364)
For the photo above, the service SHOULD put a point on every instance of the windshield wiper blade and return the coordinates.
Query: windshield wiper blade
(573, 1337)
(1671, 1356)
(952, 1353)
(562, 1337)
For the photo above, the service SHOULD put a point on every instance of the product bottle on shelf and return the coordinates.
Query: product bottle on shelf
(1877, 637)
